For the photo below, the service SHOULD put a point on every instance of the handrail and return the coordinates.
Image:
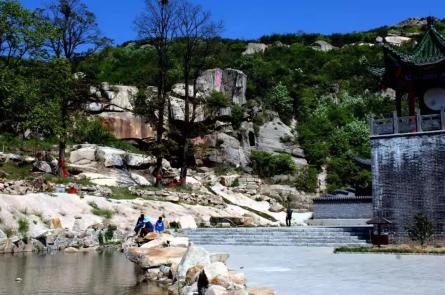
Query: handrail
(410, 124)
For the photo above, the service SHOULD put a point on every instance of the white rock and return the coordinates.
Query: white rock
(216, 269)
(84, 155)
(138, 160)
(110, 157)
(195, 255)
(216, 290)
(253, 48)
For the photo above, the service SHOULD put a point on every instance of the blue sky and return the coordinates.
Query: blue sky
(250, 19)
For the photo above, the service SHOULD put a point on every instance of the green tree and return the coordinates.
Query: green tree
(421, 230)
(278, 99)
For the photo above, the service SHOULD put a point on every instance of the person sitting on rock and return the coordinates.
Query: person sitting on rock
(159, 226)
(139, 224)
(148, 227)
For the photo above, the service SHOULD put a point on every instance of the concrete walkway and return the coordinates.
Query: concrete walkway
(313, 271)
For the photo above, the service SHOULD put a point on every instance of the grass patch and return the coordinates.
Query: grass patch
(96, 210)
(394, 249)
(122, 193)
(23, 228)
(11, 143)
(9, 232)
(14, 171)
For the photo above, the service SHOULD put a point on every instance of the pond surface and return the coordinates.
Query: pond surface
(317, 271)
(80, 273)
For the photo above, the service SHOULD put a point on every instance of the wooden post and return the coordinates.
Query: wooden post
(442, 118)
(411, 103)
(418, 120)
(395, 122)
(371, 124)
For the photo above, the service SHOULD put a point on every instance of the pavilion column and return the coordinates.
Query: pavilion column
(399, 103)
(411, 103)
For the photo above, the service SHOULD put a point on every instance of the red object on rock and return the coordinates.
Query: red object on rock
(62, 166)
(72, 190)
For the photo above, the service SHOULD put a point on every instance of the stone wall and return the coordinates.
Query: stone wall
(408, 174)
(357, 208)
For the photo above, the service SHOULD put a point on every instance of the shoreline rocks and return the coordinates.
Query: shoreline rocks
(188, 269)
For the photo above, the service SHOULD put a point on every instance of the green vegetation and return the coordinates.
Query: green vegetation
(122, 193)
(421, 230)
(9, 232)
(11, 170)
(268, 164)
(109, 233)
(107, 213)
(23, 227)
(278, 99)
(306, 179)
(393, 249)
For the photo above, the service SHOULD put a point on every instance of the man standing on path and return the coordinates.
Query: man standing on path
(289, 216)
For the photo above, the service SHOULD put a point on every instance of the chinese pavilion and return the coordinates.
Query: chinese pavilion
(419, 74)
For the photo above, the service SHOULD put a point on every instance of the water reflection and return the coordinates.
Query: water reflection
(81, 273)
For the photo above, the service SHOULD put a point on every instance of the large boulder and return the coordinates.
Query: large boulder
(229, 150)
(126, 125)
(323, 46)
(253, 48)
(119, 97)
(177, 110)
(194, 256)
(138, 161)
(275, 136)
(83, 155)
(155, 257)
(110, 157)
(217, 273)
(232, 83)
(42, 166)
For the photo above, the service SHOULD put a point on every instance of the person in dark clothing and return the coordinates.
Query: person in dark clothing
(148, 227)
(139, 224)
(289, 216)
(159, 226)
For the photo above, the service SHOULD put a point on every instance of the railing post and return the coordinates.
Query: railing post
(371, 124)
(418, 120)
(395, 122)
(442, 118)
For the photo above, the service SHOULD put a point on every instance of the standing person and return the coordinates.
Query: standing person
(159, 226)
(289, 216)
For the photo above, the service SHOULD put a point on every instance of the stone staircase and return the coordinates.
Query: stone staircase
(281, 236)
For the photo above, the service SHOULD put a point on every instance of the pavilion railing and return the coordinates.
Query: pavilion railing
(410, 124)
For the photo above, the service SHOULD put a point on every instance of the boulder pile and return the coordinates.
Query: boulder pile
(187, 269)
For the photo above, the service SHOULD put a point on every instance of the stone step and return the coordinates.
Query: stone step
(281, 236)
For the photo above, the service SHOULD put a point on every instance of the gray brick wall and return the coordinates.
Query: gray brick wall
(408, 177)
(348, 209)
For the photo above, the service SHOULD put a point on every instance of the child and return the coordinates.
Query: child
(159, 226)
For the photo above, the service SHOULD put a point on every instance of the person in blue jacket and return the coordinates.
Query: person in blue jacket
(159, 226)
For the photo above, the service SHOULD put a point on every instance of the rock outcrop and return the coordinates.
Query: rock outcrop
(113, 105)
(323, 46)
(253, 48)
(230, 82)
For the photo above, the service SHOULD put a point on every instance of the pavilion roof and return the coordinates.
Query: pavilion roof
(430, 50)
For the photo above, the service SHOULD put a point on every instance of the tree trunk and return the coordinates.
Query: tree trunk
(186, 127)
(62, 165)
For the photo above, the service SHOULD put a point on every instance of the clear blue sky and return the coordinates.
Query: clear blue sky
(250, 19)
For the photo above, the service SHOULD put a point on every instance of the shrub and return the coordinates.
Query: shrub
(268, 164)
(23, 227)
(421, 230)
(278, 99)
(109, 233)
(217, 100)
(9, 232)
(100, 211)
(237, 116)
(307, 179)
(100, 238)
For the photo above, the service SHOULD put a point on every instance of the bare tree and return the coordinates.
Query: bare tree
(195, 31)
(76, 31)
(158, 25)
